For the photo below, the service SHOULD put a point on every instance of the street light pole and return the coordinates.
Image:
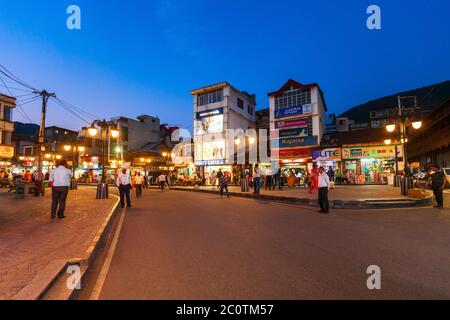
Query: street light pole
(45, 96)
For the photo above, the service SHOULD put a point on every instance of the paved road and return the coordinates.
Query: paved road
(184, 245)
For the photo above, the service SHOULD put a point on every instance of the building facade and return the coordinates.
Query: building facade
(298, 115)
(218, 108)
(7, 105)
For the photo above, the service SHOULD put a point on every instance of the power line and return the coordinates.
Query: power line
(74, 108)
(21, 110)
(11, 76)
(70, 110)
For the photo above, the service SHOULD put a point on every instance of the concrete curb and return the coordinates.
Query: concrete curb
(335, 204)
(47, 278)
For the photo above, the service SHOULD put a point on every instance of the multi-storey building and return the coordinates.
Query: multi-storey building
(7, 104)
(297, 114)
(218, 108)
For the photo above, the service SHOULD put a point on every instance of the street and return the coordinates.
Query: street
(185, 245)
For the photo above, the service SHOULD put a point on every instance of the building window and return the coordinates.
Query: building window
(7, 113)
(293, 98)
(250, 109)
(240, 103)
(211, 97)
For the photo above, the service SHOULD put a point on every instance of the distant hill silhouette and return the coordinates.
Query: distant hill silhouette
(428, 98)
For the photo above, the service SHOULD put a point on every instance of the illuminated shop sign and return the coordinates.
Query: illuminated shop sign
(368, 152)
(215, 162)
(298, 132)
(210, 121)
(293, 111)
(6, 152)
(326, 154)
(298, 123)
(297, 142)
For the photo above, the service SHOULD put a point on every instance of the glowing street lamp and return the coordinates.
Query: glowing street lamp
(387, 142)
(390, 127)
(67, 147)
(417, 125)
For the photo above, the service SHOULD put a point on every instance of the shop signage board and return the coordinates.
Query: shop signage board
(298, 132)
(209, 113)
(297, 142)
(326, 154)
(294, 153)
(214, 162)
(376, 152)
(298, 123)
(210, 121)
(6, 152)
(293, 111)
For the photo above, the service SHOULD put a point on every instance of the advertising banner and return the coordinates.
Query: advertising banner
(298, 132)
(297, 142)
(293, 111)
(294, 153)
(6, 152)
(368, 152)
(326, 154)
(210, 121)
(298, 123)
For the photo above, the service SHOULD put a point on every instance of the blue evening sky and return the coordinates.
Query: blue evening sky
(135, 57)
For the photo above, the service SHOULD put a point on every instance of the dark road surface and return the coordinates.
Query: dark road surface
(185, 245)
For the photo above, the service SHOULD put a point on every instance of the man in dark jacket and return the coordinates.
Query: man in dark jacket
(224, 182)
(438, 183)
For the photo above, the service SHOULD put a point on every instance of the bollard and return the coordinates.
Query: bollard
(244, 185)
(406, 184)
(102, 190)
(73, 184)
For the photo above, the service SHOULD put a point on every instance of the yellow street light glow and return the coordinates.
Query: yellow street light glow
(417, 125)
(115, 133)
(390, 127)
(149, 160)
(251, 140)
(22, 158)
(387, 141)
(404, 140)
(48, 155)
(81, 148)
(92, 131)
(164, 154)
(142, 160)
(31, 159)
(58, 157)
(67, 147)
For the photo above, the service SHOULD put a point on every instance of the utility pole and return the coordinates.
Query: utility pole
(45, 96)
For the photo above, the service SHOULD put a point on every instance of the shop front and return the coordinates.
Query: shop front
(369, 164)
(327, 158)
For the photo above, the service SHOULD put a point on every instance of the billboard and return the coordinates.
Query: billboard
(326, 154)
(369, 152)
(297, 123)
(298, 132)
(293, 111)
(210, 121)
(296, 142)
(6, 152)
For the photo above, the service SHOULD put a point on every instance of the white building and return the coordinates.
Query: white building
(298, 112)
(218, 108)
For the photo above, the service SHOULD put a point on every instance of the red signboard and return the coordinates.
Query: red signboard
(291, 123)
(294, 153)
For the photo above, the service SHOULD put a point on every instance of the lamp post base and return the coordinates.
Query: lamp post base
(102, 190)
(73, 184)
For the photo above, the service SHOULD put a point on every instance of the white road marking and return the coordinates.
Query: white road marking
(95, 295)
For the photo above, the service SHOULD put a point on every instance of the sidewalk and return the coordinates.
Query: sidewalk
(30, 241)
(342, 196)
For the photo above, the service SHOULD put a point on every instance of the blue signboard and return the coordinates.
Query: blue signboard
(297, 132)
(293, 111)
(297, 142)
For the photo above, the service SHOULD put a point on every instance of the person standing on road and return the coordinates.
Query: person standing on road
(138, 181)
(60, 182)
(162, 180)
(313, 179)
(224, 182)
(438, 182)
(324, 186)
(256, 179)
(124, 183)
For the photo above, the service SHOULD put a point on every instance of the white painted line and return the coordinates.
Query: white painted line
(105, 268)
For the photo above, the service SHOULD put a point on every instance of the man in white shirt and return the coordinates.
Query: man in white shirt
(324, 186)
(162, 181)
(124, 184)
(60, 181)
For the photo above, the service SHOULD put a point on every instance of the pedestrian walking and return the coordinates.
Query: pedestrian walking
(256, 179)
(124, 183)
(162, 179)
(224, 182)
(60, 182)
(138, 182)
(438, 182)
(324, 186)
